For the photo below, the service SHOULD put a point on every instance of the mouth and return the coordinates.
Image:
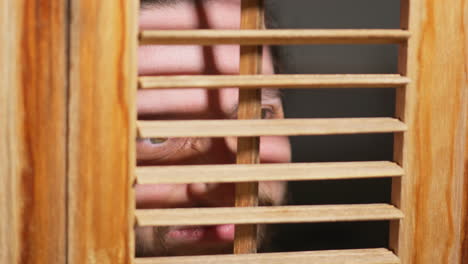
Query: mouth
(213, 233)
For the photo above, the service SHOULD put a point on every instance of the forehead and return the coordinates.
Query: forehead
(189, 60)
(220, 14)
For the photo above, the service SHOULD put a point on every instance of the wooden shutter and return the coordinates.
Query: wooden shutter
(33, 109)
(404, 82)
(67, 129)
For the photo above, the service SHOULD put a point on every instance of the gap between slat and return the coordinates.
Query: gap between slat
(348, 256)
(267, 215)
(274, 37)
(268, 127)
(266, 172)
(275, 81)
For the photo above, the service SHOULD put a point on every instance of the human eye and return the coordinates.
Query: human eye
(151, 142)
(272, 107)
(268, 112)
(155, 141)
(272, 110)
(155, 149)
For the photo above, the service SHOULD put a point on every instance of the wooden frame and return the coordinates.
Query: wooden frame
(33, 109)
(59, 193)
(433, 152)
(58, 201)
(102, 99)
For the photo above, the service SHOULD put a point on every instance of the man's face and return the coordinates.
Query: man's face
(196, 104)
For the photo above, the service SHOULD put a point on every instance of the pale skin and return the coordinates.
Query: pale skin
(197, 104)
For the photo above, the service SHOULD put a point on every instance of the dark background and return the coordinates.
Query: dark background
(324, 103)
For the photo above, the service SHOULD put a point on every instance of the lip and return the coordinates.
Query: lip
(213, 233)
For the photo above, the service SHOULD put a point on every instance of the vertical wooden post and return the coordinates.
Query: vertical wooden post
(9, 143)
(33, 131)
(102, 132)
(433, 151)
(464, 231)
(250, 107)
(400, 230)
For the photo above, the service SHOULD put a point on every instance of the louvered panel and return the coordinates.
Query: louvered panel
(353, 256)
(267, 172)
(274, 36)
(268, 127)
(275, 81)
(244, 216)
(267, 214)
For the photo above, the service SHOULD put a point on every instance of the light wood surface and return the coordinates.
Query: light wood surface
(10, 209)
(33, 152)
(464, 229)
(250, 107)
(353, 256)
(101, 131)
(32, 132)
(268, 127)
(267, 214)
(273, 36)
(434, 152)
(399, 236)
(266, 172)
(275, 81)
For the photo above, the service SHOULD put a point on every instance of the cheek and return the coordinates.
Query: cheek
(160, 60)
(187, 59)
(158, 196)
(177, 103)
(275, 149)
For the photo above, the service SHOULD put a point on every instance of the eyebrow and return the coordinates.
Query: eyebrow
(271, 93)
(160, 3)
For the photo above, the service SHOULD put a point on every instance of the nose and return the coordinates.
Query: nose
(220, 151)
(212, 194)
(216, 151)
(211, 151)
(272, 150)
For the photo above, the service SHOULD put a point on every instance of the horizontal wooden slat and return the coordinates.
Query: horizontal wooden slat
(275, 81)
(347, 256)
(267, 127)
(266, 172)
(274, 36)
(267, 214)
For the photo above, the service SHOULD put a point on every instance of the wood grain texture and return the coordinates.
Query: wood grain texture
(399, 234)
(250, 107)
(353, 256)
(32, 131)
(434, 153)
(268, 127)
(266, 172)
(101, 141)
(464, 231)
(273, 37)
(275, 81)
(267, 214)
(9, 142)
